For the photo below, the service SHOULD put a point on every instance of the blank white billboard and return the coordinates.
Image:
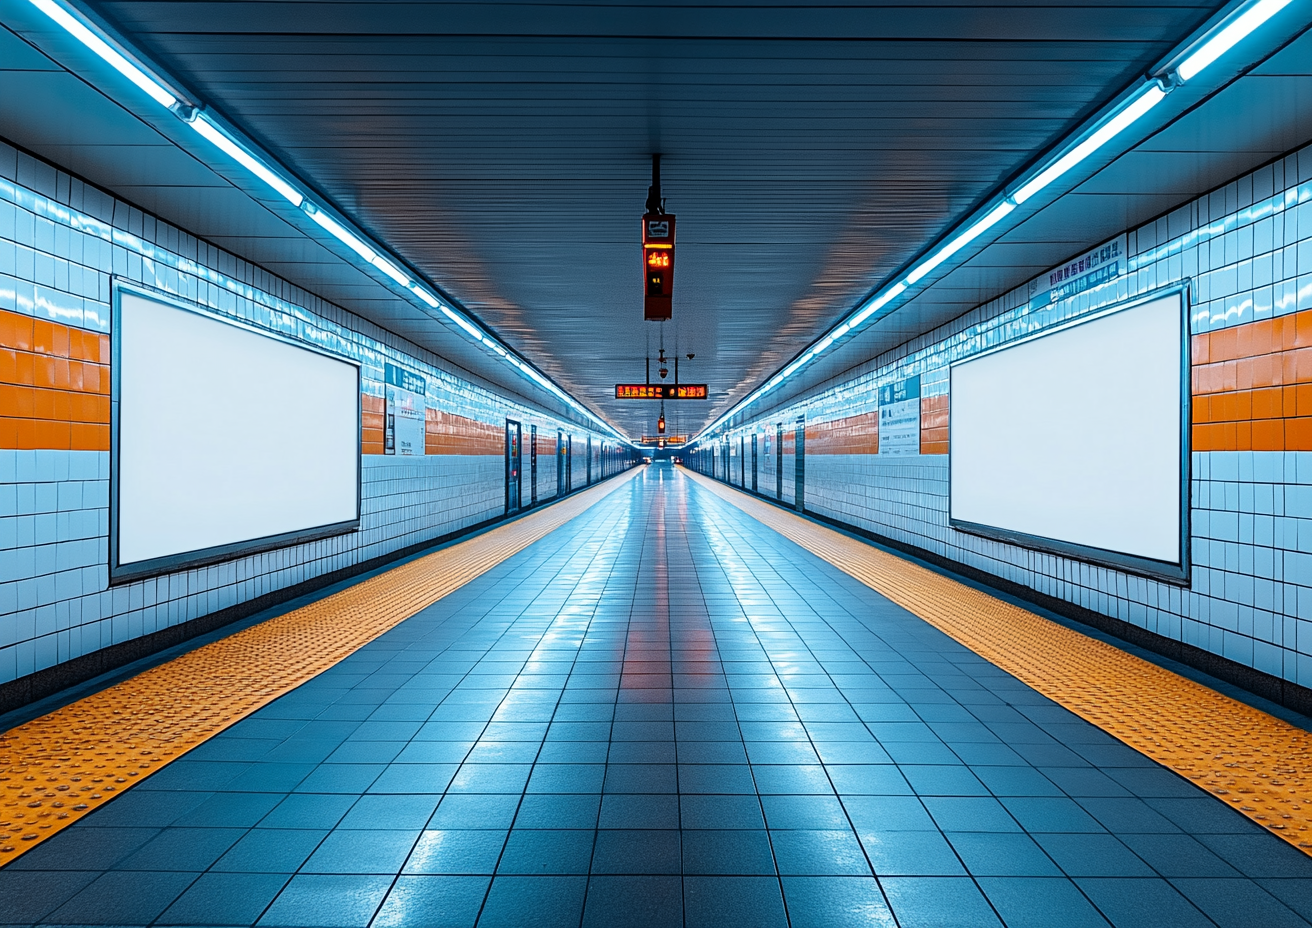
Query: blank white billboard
(1076, 436)
(226, 439)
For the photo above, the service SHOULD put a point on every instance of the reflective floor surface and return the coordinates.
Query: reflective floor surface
(663, 714)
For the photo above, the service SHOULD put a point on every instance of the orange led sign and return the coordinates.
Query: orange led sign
(660, 391)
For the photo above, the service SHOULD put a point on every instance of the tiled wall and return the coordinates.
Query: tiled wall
(1247, 248)
(61, 243)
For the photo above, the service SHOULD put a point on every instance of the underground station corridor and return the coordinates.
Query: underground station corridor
(390, 538)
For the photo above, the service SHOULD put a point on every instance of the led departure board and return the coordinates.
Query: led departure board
(660, 391)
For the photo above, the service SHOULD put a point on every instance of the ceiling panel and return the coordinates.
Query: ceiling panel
(808, 152)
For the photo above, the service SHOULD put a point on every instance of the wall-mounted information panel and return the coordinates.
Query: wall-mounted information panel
(660, 391)
(1075, 441)
(225, 440)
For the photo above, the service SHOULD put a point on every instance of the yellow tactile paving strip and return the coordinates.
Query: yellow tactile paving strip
(1259, 764)
(57, 768)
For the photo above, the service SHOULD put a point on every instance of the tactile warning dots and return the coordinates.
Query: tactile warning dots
(57, 768)
(1259, 764)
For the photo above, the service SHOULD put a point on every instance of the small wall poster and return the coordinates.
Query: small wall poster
(404, 429)
(899, 417)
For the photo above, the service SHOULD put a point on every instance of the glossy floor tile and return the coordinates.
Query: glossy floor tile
(663, 714)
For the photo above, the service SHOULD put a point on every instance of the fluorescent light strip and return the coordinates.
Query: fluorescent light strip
(341, 233)
(115, 59)
(961, 241)
(1229, 36)
(391, 270)
(424, 295)
(221, 140)
(1145, 98)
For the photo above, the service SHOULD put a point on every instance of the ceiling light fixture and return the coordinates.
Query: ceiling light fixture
(81, 31)
(225, 143)
(1228, 37)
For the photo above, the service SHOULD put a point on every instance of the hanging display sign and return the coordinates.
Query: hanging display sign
(406, 410)
(899, 417)
(657, 266)
(660, 391)
(1094, 268)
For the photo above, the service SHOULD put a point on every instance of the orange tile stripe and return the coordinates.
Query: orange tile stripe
(934, 424)
(1252, 386)
(64, 765)
(448, 433)
(54, 386)
(850, 435)
(372, 414)
(1258, 764)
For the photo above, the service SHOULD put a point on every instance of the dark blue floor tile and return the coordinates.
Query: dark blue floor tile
(828, 901)
(997, 854)
(341, 778)
(1050, 814)
(1128, 816)
(804, 812)
(634, 901)
(457, 852)
(414, 778)
(530, 853)
(636, 852)
(534, 902)
(145, 809)
(27, 896)
(270, 778)
(1177, 855)
(719, 901)
(938, 902)
(940, 780)
(433, 902)
(315, 901)
(1232, 903)
(84, 849)
(475, 811)
(912, 853)
(308, 811)
(358, 851)
(230, 810)
(716, 778)
(123, 898)
(225, 899)
(400, 811)
(1143, 903)
(270, 850)
(1256, 855)
(868, 780)
(818, 853)
(640, 811)
(970, 813)
(727, 853)
(190, 849)
(1041, 902)
(1295, 893)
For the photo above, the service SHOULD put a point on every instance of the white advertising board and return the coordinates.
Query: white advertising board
(224, 437)
(1076, 436)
